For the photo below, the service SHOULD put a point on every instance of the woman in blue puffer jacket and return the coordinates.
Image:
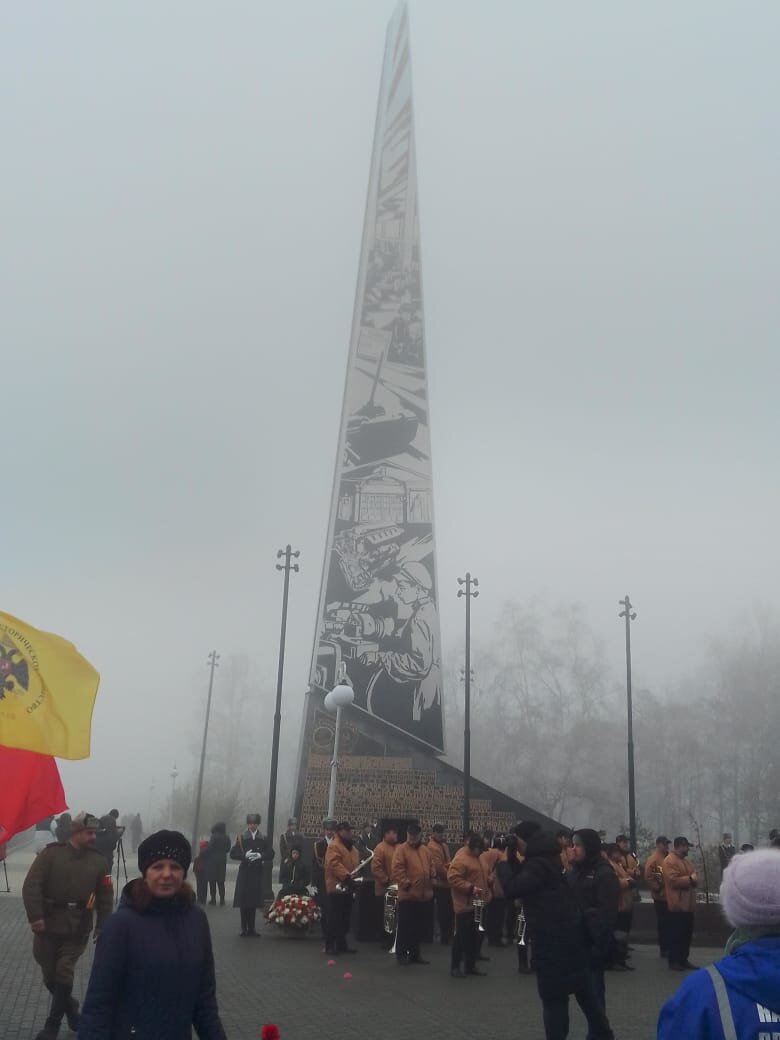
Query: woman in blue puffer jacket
(738, 997)
(153, 974)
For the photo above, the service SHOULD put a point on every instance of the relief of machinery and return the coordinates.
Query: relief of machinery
(364, 553)
(351, 629)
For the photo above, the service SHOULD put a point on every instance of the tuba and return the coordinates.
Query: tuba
(391, 913)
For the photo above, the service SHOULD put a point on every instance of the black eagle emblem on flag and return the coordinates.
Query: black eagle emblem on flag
(14, 673)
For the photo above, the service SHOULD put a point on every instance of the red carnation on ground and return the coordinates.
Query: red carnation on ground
(269, 1032)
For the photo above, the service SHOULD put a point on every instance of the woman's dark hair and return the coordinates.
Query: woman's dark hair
(296, 848)
(590, 841)
(218, 828)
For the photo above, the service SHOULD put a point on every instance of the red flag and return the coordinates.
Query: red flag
(30, 790)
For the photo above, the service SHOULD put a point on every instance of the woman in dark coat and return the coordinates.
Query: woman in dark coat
(252, 850)
(556, 932)
(293, 874)
(216, 862)
(153, 974)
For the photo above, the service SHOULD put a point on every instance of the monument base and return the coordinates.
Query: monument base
(384, 776)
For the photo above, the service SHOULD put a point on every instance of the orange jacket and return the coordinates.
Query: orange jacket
(440, 859)
(631, 865)
(489, 859)
(680, 894)
(381, 865)
(465, 873)
(412, 871)
(654, 865)
(626, 896)
(339, 863)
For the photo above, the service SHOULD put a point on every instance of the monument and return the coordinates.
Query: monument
(377, 622)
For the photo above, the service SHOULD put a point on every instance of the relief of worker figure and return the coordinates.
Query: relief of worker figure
(405, 687)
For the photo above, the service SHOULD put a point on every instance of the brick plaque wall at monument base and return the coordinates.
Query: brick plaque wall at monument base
(378, 778)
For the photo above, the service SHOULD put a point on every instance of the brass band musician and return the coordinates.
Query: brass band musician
(412, 871)
(381, 865)
(341, 861)
(439, 853)
(468, 881)
(654, 875)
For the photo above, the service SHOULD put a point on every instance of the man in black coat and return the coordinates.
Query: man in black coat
(555, 928)
(598, 893)
(216, 862)
(252, 849)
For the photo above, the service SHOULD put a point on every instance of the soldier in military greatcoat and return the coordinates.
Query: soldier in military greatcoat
(66, 884)
(252, 849)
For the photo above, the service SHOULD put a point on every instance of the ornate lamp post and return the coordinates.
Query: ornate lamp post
(630, 614)
(470, 592)
(340, 697)
(212, 660)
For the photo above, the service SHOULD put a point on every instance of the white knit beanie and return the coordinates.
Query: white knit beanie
(750, 890)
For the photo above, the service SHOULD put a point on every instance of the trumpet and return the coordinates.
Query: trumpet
(391, 914)
(342, 886)
(478, 906)
(520, 928)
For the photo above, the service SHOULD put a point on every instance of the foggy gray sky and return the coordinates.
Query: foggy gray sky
(182, 200)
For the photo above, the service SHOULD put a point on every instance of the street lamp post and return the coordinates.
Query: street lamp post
(212, 660)
(470, 592)
(287, 567)
(171, 814)
(629, 614)
(340, 697)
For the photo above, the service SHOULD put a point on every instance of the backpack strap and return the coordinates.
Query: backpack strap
(724, 1007)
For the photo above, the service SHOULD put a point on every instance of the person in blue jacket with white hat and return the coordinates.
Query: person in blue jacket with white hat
(738, 997)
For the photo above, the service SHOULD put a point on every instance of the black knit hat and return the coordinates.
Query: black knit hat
(542, 844)
(164, 845)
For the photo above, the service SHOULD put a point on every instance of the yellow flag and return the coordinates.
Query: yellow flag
(47, 692)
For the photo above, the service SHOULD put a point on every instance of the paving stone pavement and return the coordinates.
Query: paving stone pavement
(287, 981)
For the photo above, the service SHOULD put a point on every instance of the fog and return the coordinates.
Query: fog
(182, 201)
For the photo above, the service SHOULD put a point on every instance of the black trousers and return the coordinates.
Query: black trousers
(339, 906)
(662, 923)
(213, 886)
(680, 934)
(248, 921)
(495, 912)
(464, 942)
(555, 1012)
(411, 928)
(427, 925)
(624, 921)
(202, 887)
(444, 914)
(598, 987)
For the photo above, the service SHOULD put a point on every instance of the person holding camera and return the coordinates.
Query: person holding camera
(680, 881)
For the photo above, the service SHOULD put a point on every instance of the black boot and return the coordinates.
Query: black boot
(72, 1014)
(59, 1004)
(50, 1031)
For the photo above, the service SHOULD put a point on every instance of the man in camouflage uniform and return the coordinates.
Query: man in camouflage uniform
(66, 882)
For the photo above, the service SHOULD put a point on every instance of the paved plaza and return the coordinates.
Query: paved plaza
(287, 981)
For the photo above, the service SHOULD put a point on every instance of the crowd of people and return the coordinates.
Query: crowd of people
(564, 900)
